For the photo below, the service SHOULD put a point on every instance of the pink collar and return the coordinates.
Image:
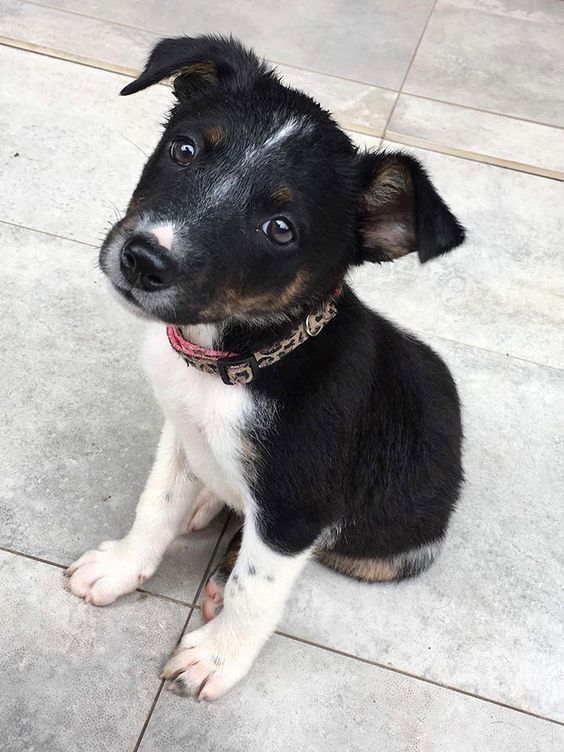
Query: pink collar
(242, 369)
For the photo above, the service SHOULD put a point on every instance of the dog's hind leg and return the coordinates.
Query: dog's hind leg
(120, 566)
(385, 569)
(215, 586)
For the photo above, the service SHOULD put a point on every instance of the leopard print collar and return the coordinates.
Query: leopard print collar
(242, 369)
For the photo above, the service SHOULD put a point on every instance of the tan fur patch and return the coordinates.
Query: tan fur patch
(250, 458)
(227, 563)
(369, 570)
(235, 303)
(282, 196)
(271, 301)
(213, 135)
(230, 559)
(204, 70)
(389, 211)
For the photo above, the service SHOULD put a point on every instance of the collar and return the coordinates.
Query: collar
(242, 369)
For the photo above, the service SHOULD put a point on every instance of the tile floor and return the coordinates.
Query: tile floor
(470, 656)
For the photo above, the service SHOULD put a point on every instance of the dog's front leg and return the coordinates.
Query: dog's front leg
(120, 566)
(210, 660)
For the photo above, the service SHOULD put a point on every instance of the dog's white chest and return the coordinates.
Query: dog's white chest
(208, 415)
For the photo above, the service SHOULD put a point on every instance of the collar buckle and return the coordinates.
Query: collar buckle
(247, 374)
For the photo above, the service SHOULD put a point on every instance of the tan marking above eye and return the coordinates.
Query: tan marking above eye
(282, 196)
(213, 135)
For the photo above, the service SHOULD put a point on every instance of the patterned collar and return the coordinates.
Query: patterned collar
(242, 369)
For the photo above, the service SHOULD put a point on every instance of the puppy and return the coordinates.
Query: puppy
(333, 433)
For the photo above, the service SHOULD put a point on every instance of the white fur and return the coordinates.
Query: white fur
(208, 415)
(236, 181)
(287, 129)
(424, 555)
(205, 508)
(117, 567)
(164, 233)
(213, 658)
(200, 448)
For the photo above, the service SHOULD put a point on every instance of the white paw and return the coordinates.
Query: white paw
(206, 507)
(103, 575)
(209, 661)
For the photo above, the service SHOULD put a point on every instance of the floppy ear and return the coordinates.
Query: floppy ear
(196, 63)
(401, 212)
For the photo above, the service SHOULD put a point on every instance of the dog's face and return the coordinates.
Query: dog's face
(254, 202)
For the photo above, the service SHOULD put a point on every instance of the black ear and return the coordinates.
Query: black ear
(401, 212)
(198, 62)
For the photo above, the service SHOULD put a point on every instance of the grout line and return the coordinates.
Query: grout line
(169, 598)
(363, 130)
(346, 124)
(415, 51)
(472, 156)
(32, 557)
(57, 565)
(70, 57)
(193, 608)
(499, 353)
(497, 113)
(423, 679)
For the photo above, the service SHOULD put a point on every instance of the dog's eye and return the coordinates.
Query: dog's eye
(183, 151)
(279, 230)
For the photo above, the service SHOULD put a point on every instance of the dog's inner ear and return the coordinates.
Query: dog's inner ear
(195, 77)
(197, 63)
(388, 213)
(401, 212)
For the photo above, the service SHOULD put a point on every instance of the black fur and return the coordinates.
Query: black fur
(367, 433)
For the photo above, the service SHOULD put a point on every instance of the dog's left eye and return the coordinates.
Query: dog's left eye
(279, 230)
(183, 151)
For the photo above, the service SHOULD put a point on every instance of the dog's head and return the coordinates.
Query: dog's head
(254, 202)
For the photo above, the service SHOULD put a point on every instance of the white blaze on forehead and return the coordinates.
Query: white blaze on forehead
(235, 182)
(164, 234)
(291, 126)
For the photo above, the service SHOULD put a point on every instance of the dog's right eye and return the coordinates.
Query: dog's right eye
(182, 151)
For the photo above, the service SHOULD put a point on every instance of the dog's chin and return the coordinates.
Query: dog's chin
(153, 312)
(126, 299)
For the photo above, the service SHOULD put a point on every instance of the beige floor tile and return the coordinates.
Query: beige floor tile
(368, 41)
(519, 143)
(76, 677)
(298, 697)
(491, 61)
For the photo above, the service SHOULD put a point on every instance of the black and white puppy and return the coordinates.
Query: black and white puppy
(331, 431)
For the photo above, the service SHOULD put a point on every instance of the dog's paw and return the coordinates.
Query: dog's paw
(205, 508)
(103, 575)
(209, 661)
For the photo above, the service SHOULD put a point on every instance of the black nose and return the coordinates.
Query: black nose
(144, 265)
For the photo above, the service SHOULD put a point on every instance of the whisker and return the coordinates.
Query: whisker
(135, 145)
(118, 214)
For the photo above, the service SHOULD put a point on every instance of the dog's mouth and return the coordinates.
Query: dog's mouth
(141, 290)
